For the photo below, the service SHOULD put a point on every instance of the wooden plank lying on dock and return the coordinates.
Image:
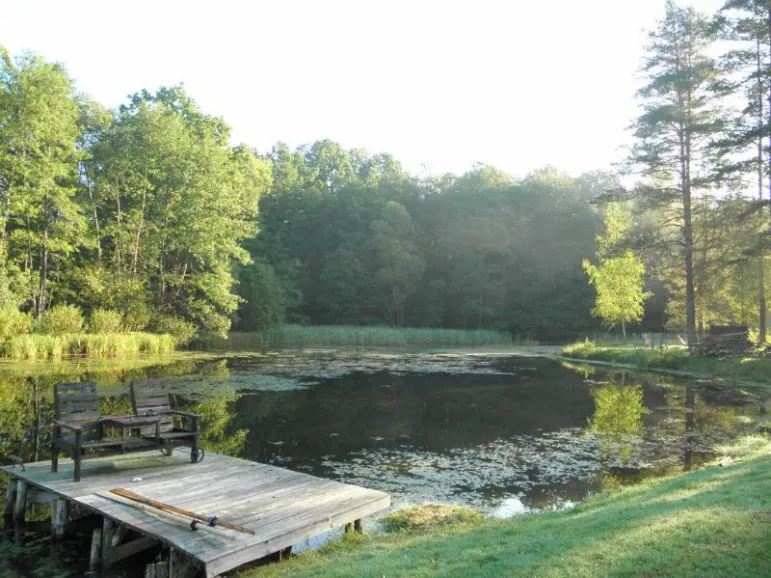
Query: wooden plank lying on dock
(280, 506)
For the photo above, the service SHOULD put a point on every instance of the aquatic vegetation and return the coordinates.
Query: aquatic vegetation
(354, 336)
(710, 522)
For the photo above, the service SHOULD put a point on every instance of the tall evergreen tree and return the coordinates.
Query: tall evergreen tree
(679, 122)
(749, 23)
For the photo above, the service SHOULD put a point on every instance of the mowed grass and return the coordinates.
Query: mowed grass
(37, 346)
(712, 522)
(292, 336)
(756, 369)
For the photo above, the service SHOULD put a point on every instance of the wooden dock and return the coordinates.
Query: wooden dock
(281, 507)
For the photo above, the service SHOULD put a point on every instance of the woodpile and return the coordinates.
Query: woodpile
(725, 340)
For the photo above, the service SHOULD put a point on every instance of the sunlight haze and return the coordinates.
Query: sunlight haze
(440, 85)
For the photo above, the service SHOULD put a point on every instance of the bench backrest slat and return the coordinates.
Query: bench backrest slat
(78, 404)
(152, 397)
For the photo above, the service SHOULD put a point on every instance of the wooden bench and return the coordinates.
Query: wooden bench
(152, 398)
(79, 426)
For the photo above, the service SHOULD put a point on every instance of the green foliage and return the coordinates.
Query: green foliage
(105, 321)
(39, 129)
(264, 300)
(617, 417)
(183, 331)
(37, 346)
(398, 266)
(756, 369)
(61, 319)
(581, 350)
(619, 277)
(13, 322)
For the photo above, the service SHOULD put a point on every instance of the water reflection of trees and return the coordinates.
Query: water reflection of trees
(686, 421)
(617, 420)
(26, 401)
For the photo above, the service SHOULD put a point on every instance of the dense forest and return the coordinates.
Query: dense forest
(149, 210)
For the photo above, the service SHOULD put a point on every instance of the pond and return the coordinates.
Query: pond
(501, 433)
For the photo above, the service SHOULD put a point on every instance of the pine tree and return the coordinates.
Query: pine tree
(679, 122)
(749, 23)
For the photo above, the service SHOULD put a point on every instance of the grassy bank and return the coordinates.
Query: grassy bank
(711, 522)
(289, 336)
(37, 346)
(756, 369)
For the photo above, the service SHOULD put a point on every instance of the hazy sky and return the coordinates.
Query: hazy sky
(444, 84)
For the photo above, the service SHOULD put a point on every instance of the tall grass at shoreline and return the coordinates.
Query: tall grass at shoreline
(290, 336)
(37, 346)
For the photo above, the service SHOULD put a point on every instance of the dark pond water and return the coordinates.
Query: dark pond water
(500, 433)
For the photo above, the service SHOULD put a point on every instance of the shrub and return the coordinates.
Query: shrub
(669, 358)
(136, 317)
(413, 517)
(183, 331)
(61, 319)
(580, 350)
(105, 321)
(13, 322)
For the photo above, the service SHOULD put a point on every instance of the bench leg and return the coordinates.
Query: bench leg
(54, 459)
(78, 454)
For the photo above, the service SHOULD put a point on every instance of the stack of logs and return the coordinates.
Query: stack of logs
(725, 340)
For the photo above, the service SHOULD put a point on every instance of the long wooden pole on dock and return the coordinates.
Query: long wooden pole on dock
(178, 511)
(167, 516)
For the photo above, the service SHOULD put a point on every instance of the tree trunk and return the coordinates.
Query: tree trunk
(761, 256)
(623, 329)
(43, 273)
(96, 223)
(135, 256)
(685, 188)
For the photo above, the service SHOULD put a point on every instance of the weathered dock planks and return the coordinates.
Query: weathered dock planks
(280, 506)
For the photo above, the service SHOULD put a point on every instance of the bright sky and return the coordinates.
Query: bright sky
(438, 84)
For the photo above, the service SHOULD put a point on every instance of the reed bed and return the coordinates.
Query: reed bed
(293, 336)
(37, 346)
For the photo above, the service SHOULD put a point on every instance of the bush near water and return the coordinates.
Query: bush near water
(62, 330)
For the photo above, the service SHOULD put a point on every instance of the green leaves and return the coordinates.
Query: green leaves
(619, 279)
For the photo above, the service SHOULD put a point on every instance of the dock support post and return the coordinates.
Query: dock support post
(96, 550)
(21, 501)
(107, 531)
(60, 518)
(10, 500)
(119, 534)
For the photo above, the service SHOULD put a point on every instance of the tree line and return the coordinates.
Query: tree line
(148, 209)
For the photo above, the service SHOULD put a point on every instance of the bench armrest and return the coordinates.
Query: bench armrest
(66, 425)
(183, 413)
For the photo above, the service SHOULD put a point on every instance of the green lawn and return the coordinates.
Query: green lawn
(750, 369)
(711, 522)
